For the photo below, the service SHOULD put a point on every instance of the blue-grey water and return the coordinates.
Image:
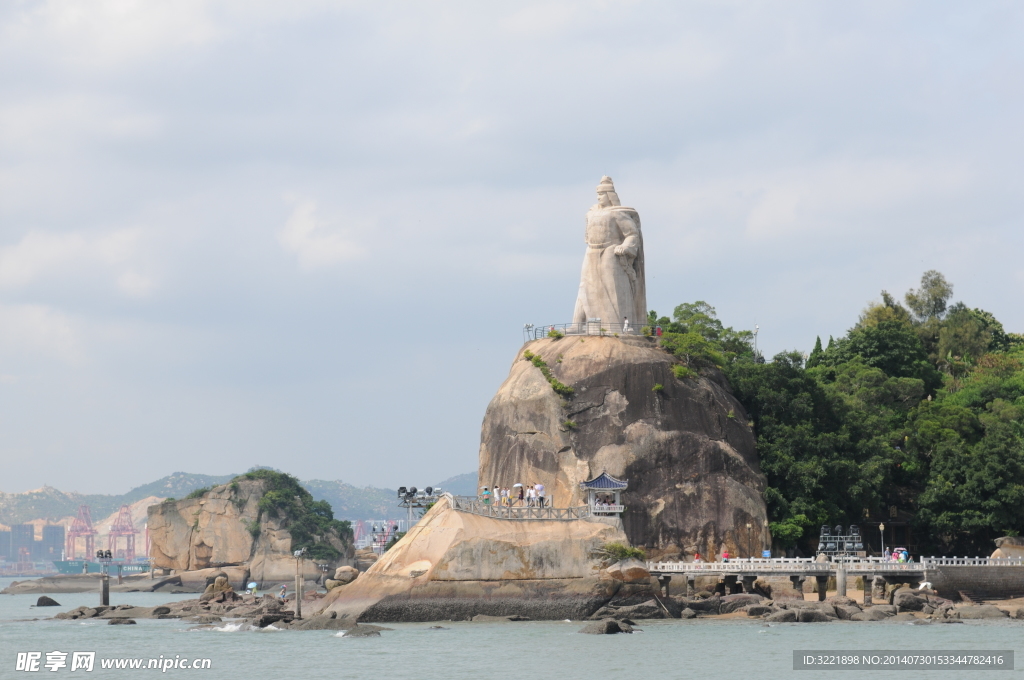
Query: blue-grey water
(727, 649)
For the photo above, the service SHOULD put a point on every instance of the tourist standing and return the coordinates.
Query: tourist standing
(540, 495)
(521, 491)
(486, 496)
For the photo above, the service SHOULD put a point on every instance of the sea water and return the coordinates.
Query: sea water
(541, 650)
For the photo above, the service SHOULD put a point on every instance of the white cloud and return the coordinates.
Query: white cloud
(38, 330)
(313, 241)
(41, 255)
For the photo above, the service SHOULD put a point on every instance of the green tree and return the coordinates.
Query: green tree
(976, 491)
(963, 336)
(930, 300)
(815, 358)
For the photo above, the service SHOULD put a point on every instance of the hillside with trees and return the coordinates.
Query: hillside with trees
(914, 417)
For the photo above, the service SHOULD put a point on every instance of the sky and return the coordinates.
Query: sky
(308, 234)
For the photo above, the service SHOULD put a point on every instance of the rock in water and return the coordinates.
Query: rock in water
(686, 449)
(606, 627)
(121, 622)
(45, 601)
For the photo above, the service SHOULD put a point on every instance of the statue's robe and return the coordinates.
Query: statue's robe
(612, 286)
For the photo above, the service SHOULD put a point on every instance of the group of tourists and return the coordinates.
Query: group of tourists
(900, 555)
(532, 496)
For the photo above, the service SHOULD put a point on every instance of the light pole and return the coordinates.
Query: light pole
(881, 530)
(756, 329)
(299, 582)
(750, 551)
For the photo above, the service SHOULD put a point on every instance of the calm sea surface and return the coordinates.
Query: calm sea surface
(542, 650)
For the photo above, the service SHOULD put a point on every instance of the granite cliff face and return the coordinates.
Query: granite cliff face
(456, 565)
(686, 449)
(213, 530)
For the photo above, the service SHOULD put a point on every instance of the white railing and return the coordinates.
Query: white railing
(807, 565)
(784, 565)
(607, 509)
(973, 561)
(476, 506)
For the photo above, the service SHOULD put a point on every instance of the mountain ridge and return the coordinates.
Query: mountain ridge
(347, 501)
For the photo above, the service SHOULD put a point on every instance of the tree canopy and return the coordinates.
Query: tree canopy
(918, 407)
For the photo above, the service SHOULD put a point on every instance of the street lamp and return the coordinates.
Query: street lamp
(881, 529)
(749, 549)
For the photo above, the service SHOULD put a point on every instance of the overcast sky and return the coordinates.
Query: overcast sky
(308, 234)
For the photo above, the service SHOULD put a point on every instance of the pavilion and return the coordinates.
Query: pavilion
(604, 485)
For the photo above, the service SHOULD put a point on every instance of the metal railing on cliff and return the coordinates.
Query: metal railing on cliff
(476, 506)
(531, 332)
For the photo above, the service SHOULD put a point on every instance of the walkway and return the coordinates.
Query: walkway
(474, 505)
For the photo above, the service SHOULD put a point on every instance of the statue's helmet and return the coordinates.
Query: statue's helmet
(606, 185)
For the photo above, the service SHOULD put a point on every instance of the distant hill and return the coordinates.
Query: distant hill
(52, 504)
(348, 502)
(351, 502)
(460, 485)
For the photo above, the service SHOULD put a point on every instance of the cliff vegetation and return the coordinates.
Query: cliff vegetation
(915, 414)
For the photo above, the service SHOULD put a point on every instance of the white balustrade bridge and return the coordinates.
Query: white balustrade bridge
(807, 566)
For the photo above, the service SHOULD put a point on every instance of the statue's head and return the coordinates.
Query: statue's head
(606, 195)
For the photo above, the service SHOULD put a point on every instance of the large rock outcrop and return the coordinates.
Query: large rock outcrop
(456, 565)
(686, 448)
(225, 527)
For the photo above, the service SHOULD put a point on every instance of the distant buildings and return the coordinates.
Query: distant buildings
(19, 544)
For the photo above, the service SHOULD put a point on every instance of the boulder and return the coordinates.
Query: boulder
(198, 580)
(847, 612)
(646, 610)
(782, 616)
(361, 630)
(687, 614)
(870, 614)
(812, 616)
(1018, 613)
(630, 570)
(331, 584)
(157, 611)
(220, 587)
(820, 607)
(906, 599)
(843, 600)
(345, 574)
(732, 603)
(121, 622)
(606, 627)
(484, 618)
(1009, 547)
(761, 610)
(708, 605)
(45, 601)
(981, 611)
(902, 617)
(687, 450)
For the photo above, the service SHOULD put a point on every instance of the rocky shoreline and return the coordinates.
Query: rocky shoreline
(217, 608)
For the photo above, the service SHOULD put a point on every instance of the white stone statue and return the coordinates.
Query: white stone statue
(612, 286)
